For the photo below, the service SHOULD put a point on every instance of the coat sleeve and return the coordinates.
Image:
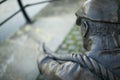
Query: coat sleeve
(53, 70)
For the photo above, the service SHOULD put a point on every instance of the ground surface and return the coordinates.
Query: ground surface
(72, 43)
(55, 26)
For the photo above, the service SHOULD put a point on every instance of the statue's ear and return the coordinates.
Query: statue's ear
(84, 28)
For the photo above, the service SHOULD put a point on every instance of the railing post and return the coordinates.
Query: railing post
(28, 20)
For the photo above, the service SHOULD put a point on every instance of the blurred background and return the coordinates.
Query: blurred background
(26, 24)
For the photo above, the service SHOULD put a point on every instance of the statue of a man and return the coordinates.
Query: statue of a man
(100, 27)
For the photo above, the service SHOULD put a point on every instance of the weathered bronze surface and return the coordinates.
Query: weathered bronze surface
(100, 27)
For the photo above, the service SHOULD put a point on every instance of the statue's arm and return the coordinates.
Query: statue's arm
(54, 70)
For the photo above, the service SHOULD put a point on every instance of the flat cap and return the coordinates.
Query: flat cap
(100, 10)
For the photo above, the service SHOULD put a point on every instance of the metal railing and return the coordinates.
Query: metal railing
(22, 9)
(2, 1)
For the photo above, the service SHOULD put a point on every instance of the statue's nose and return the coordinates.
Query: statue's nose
(78, 21)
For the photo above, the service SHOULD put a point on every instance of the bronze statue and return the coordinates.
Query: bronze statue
(100, 27)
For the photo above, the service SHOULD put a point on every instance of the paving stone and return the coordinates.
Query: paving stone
(69, 36)
(64, 46)
(63, 51)
(79, 43)
(76, 32)
(70, 42)
(72, 47)
(78, 37)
